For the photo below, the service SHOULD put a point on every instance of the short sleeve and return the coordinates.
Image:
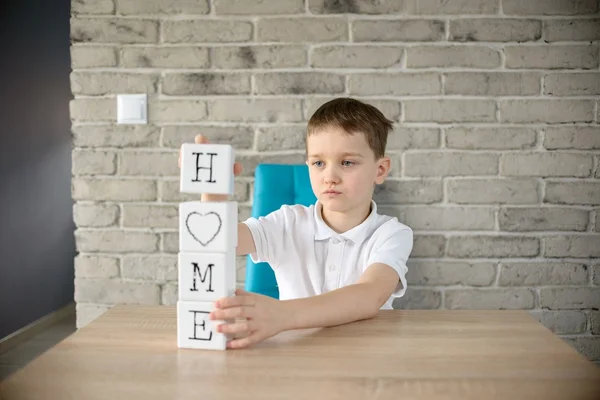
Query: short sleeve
(394, 251)
(269, 234)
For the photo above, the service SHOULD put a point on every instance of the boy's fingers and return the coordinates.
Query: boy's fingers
(235, 301)
(236, 327)
(199, 139)
(233, 312)
(244, 342)
(237, 168)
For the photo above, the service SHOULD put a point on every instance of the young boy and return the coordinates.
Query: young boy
(338, 260)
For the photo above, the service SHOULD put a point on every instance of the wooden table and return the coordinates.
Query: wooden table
(130, 352)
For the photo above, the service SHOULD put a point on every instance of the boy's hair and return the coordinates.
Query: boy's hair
(353, 116)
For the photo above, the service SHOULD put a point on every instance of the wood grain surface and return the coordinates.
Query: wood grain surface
(401, 354)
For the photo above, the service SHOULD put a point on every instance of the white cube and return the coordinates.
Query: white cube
(208, 227)
(206, 276)
(207, 168)
(195, 330)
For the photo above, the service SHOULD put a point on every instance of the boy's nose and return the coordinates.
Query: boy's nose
(331, 176)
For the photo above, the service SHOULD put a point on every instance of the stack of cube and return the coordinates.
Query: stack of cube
(207, 244)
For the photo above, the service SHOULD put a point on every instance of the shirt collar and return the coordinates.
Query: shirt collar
(357, 234)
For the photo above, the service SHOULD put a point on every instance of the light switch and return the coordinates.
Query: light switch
(132, 109)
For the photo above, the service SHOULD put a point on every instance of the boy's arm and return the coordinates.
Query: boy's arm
(245, 241)
(361, 300)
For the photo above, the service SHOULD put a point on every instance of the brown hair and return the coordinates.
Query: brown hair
(353, 116)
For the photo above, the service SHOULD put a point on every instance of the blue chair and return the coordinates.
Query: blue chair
(274, 186)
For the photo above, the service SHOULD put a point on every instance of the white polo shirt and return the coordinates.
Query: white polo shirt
(310, 258)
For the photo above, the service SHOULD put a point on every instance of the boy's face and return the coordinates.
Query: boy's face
(343, 169)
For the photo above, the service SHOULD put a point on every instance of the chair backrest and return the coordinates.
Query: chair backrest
(274, 186)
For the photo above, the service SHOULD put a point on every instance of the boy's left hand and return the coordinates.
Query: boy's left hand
(264, 317)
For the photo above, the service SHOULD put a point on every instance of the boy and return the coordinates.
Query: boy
(338, 260)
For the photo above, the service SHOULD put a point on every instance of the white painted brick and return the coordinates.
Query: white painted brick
(150, 216)
(86, 162)
(543, 7)
(546, 111)
(571, 29)
(493, 246)
(489, 299)
(581, 246)
(299, 83)
(495, 30)
(581, 84)
(92, 7)
(87, 266)
(542, 273)
(570, 298)
(552, 56)
(115, 241)
(265, 56)
(570, 137)
(159, 268)
(102, 83)
(493, 191)
(258, 7)
(449, 164)
(164, 57)
(133, 7)
(240, 137)
(452, 56)
(256, 110)
(148, 164)
(395, 84)
(177, 111)
(546, 164)
(428, 246)
(302, 29)
(493, 138)
(113, 189)
(354, 7)
(116, 292)
(93, 110)
(409, 191)
(198, 31)
(543, 219)
(405, 30)
(492, 83)
(450, 273)
(358, 56)
(95, 214)
(435, 7)
(93, 56)
(449, 218)
(205, 83)
(419, 299)
(444, 111)
(115, 135)
(114, 30)
(584, 193)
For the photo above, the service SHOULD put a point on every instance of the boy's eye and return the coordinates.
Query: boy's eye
(318, 163)
(347, 163)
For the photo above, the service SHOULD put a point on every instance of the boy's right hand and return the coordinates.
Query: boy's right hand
(237, 169)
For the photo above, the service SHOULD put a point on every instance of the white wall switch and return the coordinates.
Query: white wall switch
(206, 276)
(132, 109)
(207, 168)
(195, 330)
(208, 227)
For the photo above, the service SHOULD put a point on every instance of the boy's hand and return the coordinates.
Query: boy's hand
(264, 317)
(237, 169)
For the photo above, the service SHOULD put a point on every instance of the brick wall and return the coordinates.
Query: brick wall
(496, 147)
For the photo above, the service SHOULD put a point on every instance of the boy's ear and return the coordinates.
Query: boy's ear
(384, 165)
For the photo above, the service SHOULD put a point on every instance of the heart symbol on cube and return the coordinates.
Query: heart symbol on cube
(206, 226)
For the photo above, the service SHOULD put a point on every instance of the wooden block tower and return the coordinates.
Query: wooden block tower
(207, 243)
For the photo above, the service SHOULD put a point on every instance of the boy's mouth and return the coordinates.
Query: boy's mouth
(331, 191)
